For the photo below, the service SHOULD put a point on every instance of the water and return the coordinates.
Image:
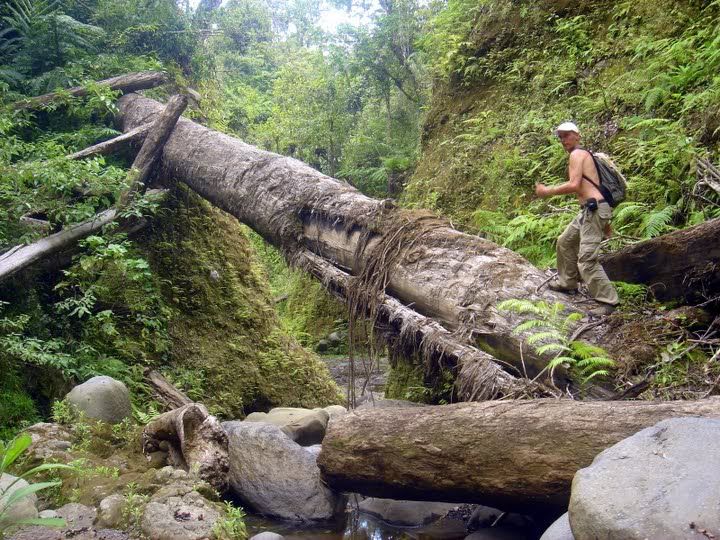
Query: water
(356, 526)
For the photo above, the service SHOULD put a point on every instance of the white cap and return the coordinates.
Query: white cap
(567, 126)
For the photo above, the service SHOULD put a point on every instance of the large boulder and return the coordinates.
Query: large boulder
(405, 513)
(25, 508)
(659, 483)
(101, 398)
(559, 530)
(276, 476)
(304, 426)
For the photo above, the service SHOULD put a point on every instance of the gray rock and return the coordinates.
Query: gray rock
(335, 339)
(405, 513)
(322, 346)
(304, 426)
(335, 410)
(25, 508)
(654, 484)
(276, 476)
(50, 442)
(77, 516)
(267, 535)
(559, 530)
(110, 511)
(190, 517)
(101, 398)
(48, 514)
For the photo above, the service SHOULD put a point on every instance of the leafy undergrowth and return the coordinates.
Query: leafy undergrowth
(185, 297)
(640, 78)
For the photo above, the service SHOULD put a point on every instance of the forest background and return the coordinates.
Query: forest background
(447, 105)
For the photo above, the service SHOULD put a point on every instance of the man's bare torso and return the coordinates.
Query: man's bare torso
(583, 159)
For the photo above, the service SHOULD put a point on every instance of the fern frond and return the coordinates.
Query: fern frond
(656, 222)
(553, 335)
(551, 347)
(529, 325)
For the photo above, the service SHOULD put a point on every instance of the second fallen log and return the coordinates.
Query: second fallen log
(513, 455)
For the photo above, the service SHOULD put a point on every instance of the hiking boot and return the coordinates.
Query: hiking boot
(602, 310)
(554, 285)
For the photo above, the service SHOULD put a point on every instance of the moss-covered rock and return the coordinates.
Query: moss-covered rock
(226, 345)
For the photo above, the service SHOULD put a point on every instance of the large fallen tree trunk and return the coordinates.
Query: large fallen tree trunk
(455, 278)
(513, 455)
(131, 82)
(681, 265)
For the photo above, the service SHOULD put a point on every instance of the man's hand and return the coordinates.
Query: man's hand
(542, 191)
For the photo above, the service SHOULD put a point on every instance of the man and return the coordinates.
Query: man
(578, 247)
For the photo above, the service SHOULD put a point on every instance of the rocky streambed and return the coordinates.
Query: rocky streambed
(659, 483)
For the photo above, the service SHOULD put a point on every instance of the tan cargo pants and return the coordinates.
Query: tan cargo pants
(578, 254)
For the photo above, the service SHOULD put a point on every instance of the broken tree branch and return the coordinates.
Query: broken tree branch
(428, 338)
(22, 257)
(152, 147)
(197, 441)
(112, 145)
(165, 391)
(680, 265)
(130, 82)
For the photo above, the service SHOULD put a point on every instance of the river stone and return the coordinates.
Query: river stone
(267, 535)
(405, 513)
(190, 517)
(304, 426)
(77, 516)
(102, 398)
(25, 508)
(335, 410)
(277, 477)
(110, 511)
(50, 442)
(559, 530)
(657, 483)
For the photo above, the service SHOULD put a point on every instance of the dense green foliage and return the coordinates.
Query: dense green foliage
(640, 78)
(188, 296)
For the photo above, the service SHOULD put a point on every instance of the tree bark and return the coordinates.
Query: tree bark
(680, 265)
(165, 391)
(22, 257)
(454, 278)
(152, 148)
(513, 455)
(131, 82)
(112, 145)
(196, 439)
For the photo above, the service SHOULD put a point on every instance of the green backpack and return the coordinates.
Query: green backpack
(613, 184)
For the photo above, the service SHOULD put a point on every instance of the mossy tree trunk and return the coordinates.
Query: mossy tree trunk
(513, 455)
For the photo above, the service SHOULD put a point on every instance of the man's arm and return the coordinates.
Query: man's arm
(572, 185)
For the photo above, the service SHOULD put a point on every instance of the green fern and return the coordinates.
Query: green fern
(549, 332)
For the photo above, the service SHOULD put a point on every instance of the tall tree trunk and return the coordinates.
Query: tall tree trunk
(513, 455)
(454, 278)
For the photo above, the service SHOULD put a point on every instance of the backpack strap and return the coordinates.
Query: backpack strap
(596, 170)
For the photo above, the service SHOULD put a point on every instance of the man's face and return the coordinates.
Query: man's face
(569, 139)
